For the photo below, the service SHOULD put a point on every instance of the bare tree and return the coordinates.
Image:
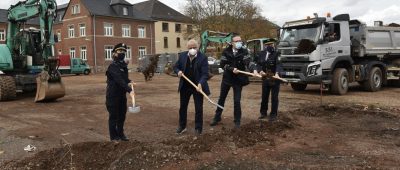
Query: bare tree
(239, 16)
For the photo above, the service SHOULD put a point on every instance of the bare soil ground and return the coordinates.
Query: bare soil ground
(359, 130)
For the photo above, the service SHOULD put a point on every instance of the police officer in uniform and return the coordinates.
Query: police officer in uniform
(269, 67)
(117, 87)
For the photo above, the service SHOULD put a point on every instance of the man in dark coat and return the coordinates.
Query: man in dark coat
(269, 67)
(233, 58)
(117, 87)
(194, 65)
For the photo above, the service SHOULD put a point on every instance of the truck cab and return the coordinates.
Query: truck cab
(70, 65)
(311, 48)
(337, 51)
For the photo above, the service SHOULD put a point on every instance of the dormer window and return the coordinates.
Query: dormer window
(75, 9)
(125, 11)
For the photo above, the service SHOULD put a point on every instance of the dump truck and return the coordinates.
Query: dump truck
(27, 60)
(70, 65)
(336, 51)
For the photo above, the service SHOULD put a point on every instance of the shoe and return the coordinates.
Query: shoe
(198, 132)
(272, 119)
(262, 117)
(180, 130)
(237, 125)
(214, 122)
(115, 140)
(124, 138)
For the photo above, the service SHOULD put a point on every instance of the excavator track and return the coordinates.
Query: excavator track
(7, 88)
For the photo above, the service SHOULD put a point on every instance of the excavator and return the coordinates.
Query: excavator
(27, 60)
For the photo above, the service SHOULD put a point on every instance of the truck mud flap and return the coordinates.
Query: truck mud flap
(47, 90)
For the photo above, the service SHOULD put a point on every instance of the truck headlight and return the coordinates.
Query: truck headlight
(312, 70)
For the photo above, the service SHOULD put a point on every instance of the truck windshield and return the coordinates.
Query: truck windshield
(291, 36)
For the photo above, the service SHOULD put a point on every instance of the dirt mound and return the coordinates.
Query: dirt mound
(137, 155)
(342, 127)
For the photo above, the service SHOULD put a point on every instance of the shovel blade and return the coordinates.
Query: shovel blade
(135, 109)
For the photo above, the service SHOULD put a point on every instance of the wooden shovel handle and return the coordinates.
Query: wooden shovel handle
(133, 97)
(248, 73)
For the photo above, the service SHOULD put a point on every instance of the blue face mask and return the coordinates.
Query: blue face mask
(238, 45)
(121, 56)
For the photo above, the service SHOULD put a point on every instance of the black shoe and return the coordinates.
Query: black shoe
(237, 125)
(272, 119)
(124, 138)
(198, 132)
(115, 139)
(180, 130)
(214, 122)
(262, 117)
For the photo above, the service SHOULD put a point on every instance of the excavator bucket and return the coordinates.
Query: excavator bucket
(48, 90)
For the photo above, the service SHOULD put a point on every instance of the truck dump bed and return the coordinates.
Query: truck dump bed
(374, 41)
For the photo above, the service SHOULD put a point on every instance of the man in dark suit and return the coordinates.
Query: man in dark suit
(269, 67)
(194, 65)
(233, 59)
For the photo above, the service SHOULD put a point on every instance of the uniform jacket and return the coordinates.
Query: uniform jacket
(117, 80)
(200, 70)
(269, 64)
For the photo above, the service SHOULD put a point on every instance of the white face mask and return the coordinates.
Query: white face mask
(192, 51)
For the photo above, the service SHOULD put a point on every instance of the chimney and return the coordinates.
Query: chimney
(378, 23)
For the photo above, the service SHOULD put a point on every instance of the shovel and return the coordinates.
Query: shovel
(201, 91)
(134, 108)
(249, 74)
(260, 76)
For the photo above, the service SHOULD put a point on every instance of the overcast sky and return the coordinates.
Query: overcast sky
(279, 11)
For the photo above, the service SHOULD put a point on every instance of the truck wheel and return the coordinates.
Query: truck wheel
(340, 81)
(7, 88)
(375, 79)
(298, 86)
(86, 72)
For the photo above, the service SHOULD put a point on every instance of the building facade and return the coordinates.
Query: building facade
(172, 28)
(89, 29)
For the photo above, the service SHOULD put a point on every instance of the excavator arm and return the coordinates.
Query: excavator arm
(213, 36)
(49, 84)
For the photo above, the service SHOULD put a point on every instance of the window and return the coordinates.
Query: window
(108, 52)
(177, 27)
(72, 52)
(142, 51)
(332, 33)
(83, 53)
(128, 52)
(71, 31)
(82, 30)
(126, 30)
(59, 35)
(165, 42)
(178, 42)
(75, 9)
(108, 29)
(142, 32)
(2, 35)
(165, 27)
(125, 11)
(189, 28)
